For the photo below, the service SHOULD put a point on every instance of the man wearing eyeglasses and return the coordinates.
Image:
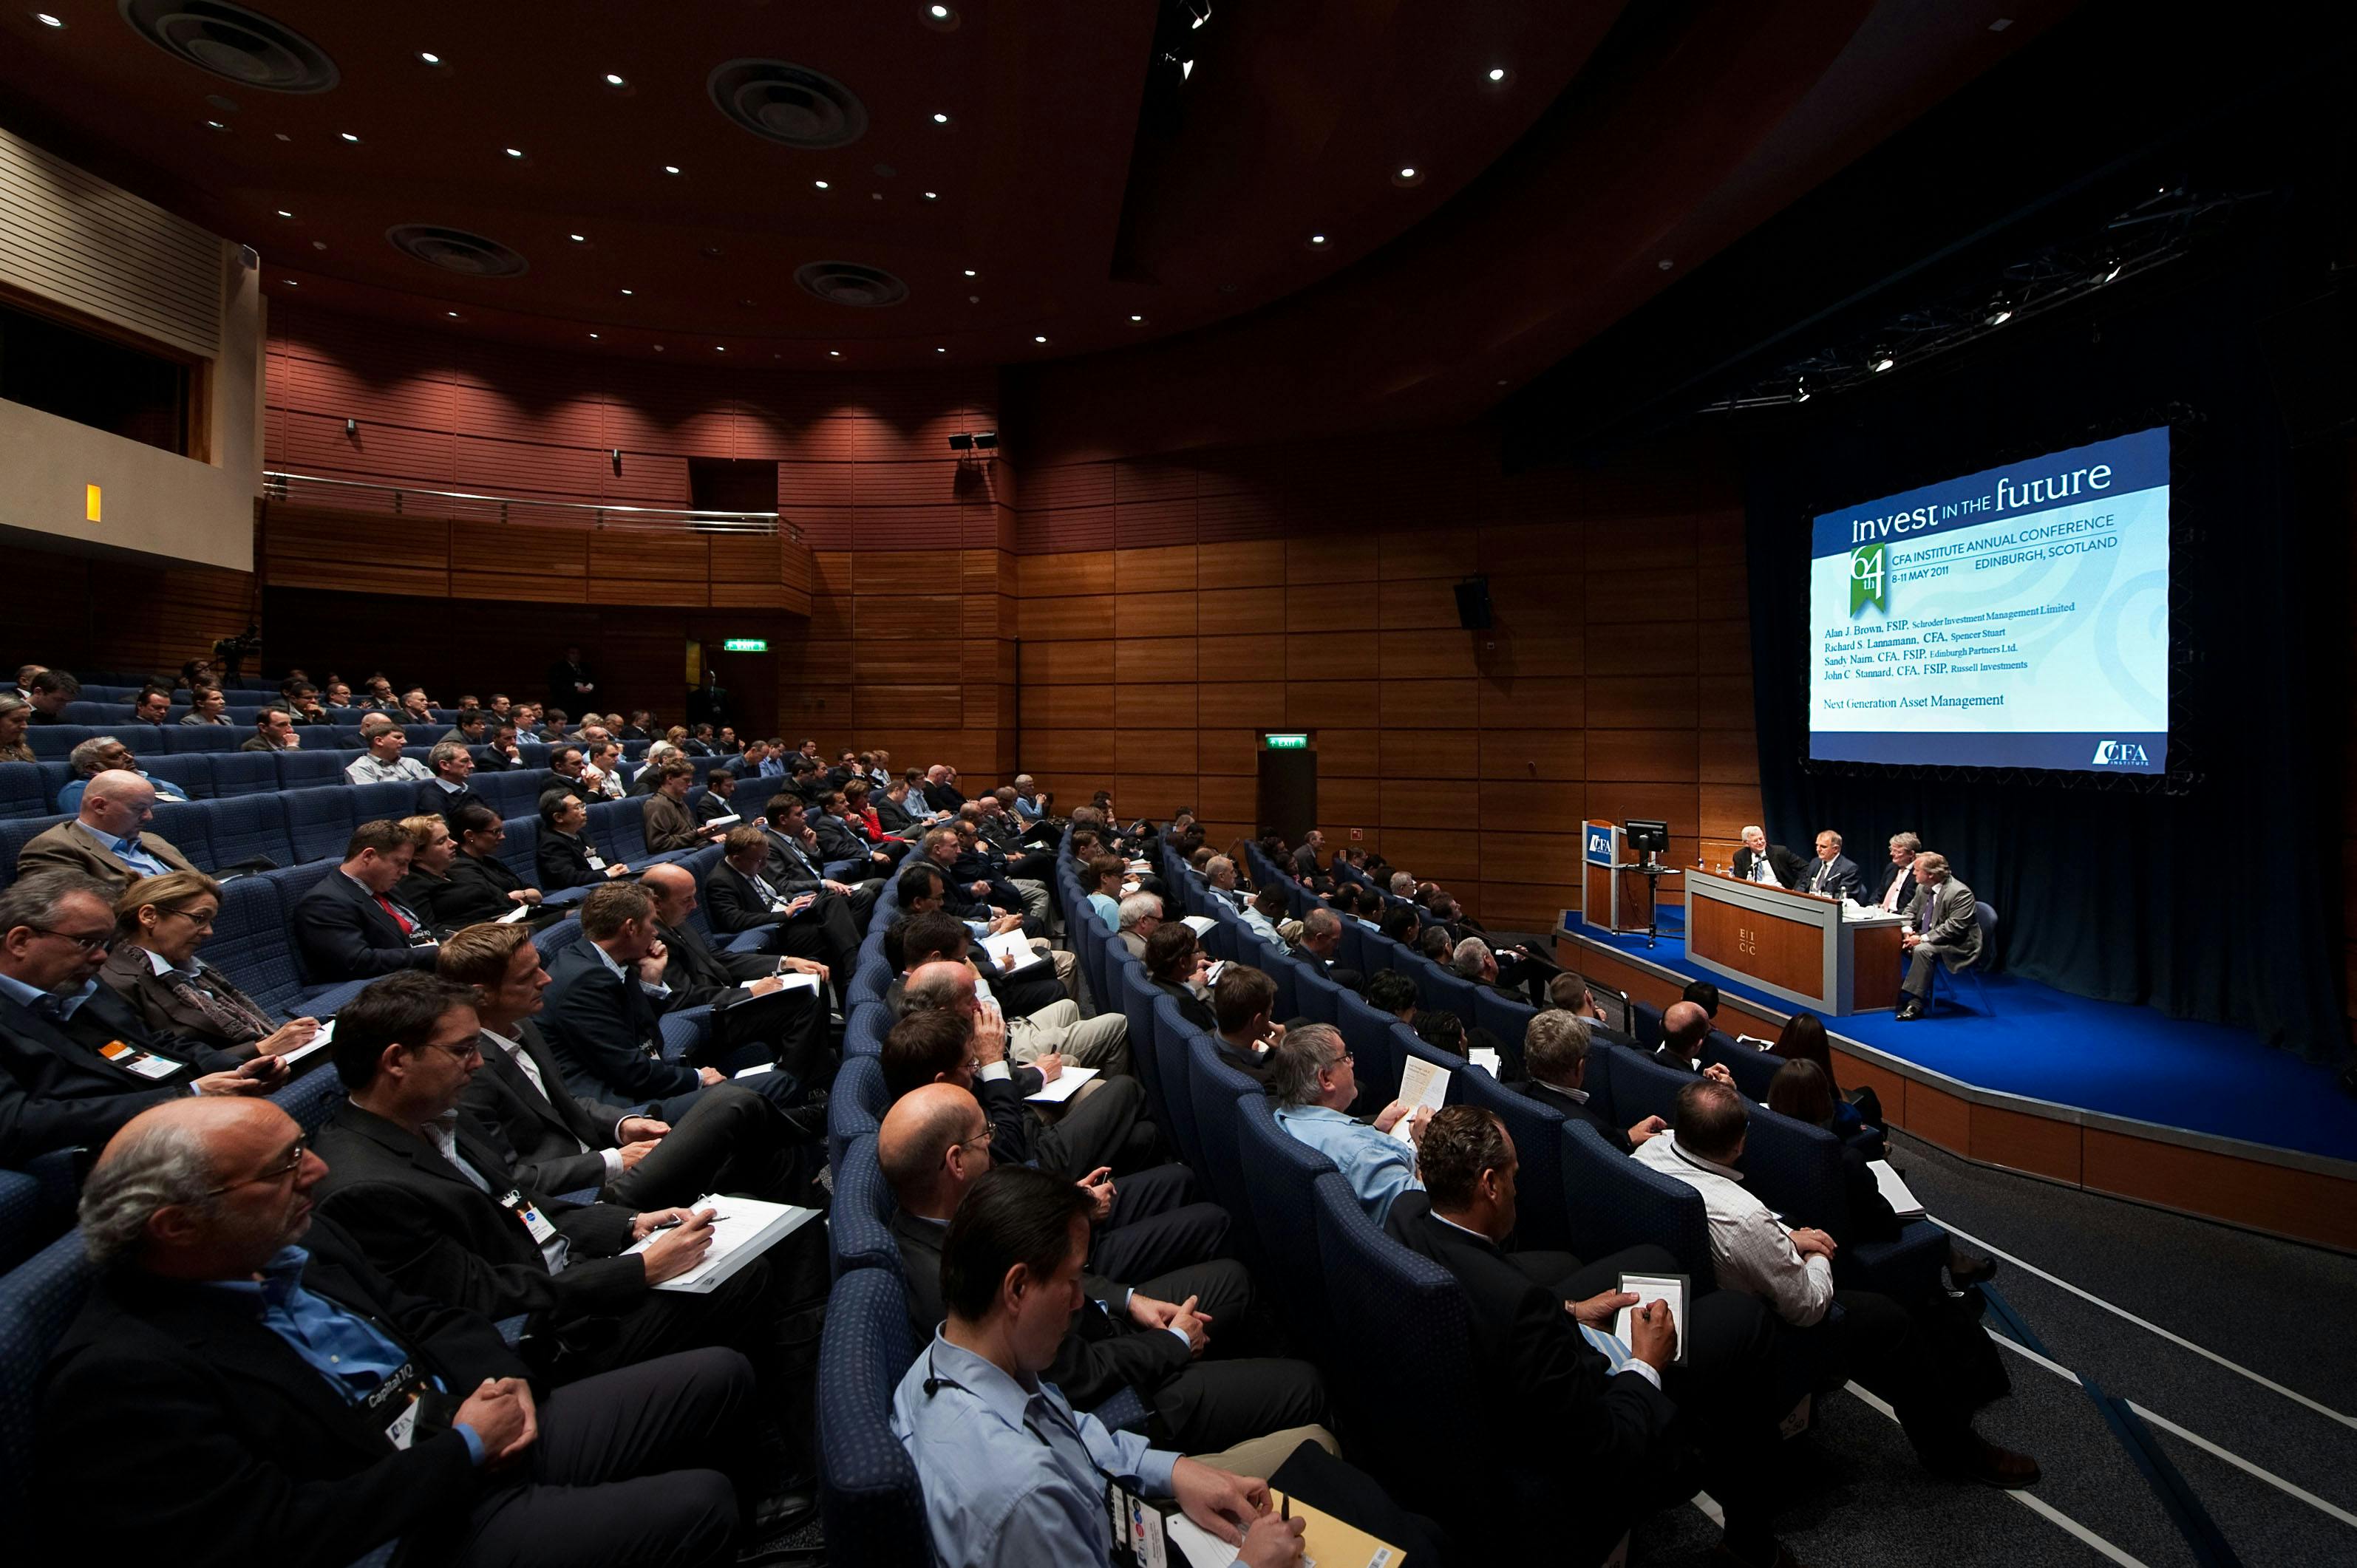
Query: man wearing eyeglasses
(280, 1398)
(108, 837)
(75, 1063)
(1313, 1081)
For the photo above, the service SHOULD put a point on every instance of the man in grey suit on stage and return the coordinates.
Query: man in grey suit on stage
(1941, 928)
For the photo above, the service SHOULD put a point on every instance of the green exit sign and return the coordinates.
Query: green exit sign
(745, 645)
(1285, 742)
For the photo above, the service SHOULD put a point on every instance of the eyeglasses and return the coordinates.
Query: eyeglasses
(202, 922)
(981, 1137)
(87, 944)
(275, 1173)
(471, 1051)
(1339, 1059)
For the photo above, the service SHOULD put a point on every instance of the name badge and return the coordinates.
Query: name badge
(534, 1222)
(132, 1059)
(596, 862)
(395, 1403)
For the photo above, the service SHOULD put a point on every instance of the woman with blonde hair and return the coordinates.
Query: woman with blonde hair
(159, 924)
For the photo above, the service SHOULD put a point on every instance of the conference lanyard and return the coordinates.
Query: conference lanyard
(1134, 1528)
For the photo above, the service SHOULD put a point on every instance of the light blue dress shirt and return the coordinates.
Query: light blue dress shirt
(1106, 911)
(340, 1345)
(1013, 1478)
(70, 797)
(126, 849)
(1378, 1166)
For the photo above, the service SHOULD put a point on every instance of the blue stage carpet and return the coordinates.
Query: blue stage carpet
(2098, 1056)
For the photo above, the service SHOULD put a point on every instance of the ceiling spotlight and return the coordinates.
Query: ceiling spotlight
(939, 13)
(941, 350)
(658, 348)
(1187, 69)
(1407, 172)
(969, 272)
(1201, 12)
(671, 168)
(515, 152)
(940, 118)
(1317, 238)
(1799, 389)
(720, 348)
(451, 314)
(349, 136)
(820, 183)
(1137, 319)
(834, 353)
(1038, 338)
(2000, 310)
(593, 336)
(47, 20)
(1665, 263)
(930, 196)
(1880, 360)
(1497, 73)
(2111, 269)
(290, 282)
(578, 239)
(430, 59)
(284, 213)
(216, 125)
(318, 245)
(614, 81)
(626, 291)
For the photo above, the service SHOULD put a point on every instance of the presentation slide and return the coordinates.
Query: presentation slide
(2016, 618)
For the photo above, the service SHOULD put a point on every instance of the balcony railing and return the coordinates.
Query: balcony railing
(356, 495)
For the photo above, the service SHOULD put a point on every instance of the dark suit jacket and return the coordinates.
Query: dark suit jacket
(476, 889)
(605, 1034)
(711, 805)
(1254, 1066)
(562, 678)
(564, 861)
(1573, 1110)
(732, 904)
(244, 1454)
(1305, 862)
(344, 934)
(58, 1092)
(544, 1133)
(1884, 875)
(1841, 879)
(791, 868)
(156, 1005)
(435, 801)
(837, 842)
(66, 847)
(699, 975)
(439, 1234)
(671, 825)
(1550, 1400)
(1783, 862)
(896, 818)
(1191, 1007)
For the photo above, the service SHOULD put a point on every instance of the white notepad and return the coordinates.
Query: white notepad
(746, 1228)
(1013, 944)
(1651, 1288)
(1063, 1086)
(1199, 924)
(1903, 1203)
(1421, 1083)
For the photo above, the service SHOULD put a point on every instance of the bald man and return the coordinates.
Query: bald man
(1156, 1337)
(790, 1026)
(108, 837)
(1685, 1027)
(236, 1349)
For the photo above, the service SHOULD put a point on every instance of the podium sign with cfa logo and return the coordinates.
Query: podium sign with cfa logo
(1599, 843)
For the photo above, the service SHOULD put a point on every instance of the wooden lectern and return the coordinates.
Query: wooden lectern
(1794, 945)
(1612, 892)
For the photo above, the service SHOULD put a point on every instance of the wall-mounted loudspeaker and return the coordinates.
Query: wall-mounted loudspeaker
(1473, 604)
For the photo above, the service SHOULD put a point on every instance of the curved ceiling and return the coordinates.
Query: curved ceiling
(1009, 184)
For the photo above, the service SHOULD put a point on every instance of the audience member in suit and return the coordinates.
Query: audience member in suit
(429, 878)
(1570, 991)
(1685, 1027)
(1560, 1395)
(790, 1031)
(1314, 1082)
(207, 705)
(1155, 1337)
(898, 814)
(159, 924)
(605, 1000)
(75, 1063)
(805, 917)
(1137, 917)
(473, 728)
(1555, 1054)
(501, 752)
(1147, 1223)
(1176, 964)
(671, 825)
(108, 838)
(1321, 941)
(1759, 861)
(480, 885)
(571, 686)
(1942, 928)
(564, 857)
(349, 927)
(448, 792)
(940, 788)
(202, 1358)
(1517, 976)
(49, 691)
(273, 730)
(1894, 885)
(844, 838)
(1242, 1004)
(435, 1203)
(1931, 1364)
(1833, 874)
(727, 1142)
(1305, 859)
(719, 786)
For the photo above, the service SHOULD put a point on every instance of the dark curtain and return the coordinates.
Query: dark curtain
(2223, 903)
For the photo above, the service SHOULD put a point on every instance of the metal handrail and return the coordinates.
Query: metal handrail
(281, 486)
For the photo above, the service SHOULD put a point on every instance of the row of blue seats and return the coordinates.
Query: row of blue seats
(56, 740)
(35, 788)
(243, 713)
(293, 827)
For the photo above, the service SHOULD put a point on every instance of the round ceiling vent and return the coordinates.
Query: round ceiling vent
(230, 41)
(456, 251)
(789, 103)
(849, 283)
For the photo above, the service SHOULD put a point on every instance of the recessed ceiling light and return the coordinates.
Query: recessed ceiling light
(451, 314)
(720, 347)
(614, 81)
(1407, 175)
(820, 183)
(941, 350)
(349, 136)
(1137, 319)
(1666, 263)
(658, 348)
(938, 12)
(834, 353)
(940, 118)
(578, 239)
(283, 135)
(216, 124)
(592, 334)
(1497, 73)
(969, 272)
(318, 245)
(1317, 238)
(47, 20)
(1039, 339)
(290, 282)
(284, 213)
(671, 168)
(625, 291)
(1408, 172)
(429, 58)
(930, 196)
(515, 152)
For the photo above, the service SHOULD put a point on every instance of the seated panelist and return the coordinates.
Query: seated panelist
(1759, 861)
(1833, 874)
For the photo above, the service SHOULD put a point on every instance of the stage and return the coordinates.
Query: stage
(2189, 1115)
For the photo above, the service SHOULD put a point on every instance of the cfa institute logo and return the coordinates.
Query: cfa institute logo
(1869, 581)
(2120, 754)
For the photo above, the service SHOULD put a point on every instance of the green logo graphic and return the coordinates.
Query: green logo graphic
(1869, 579)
